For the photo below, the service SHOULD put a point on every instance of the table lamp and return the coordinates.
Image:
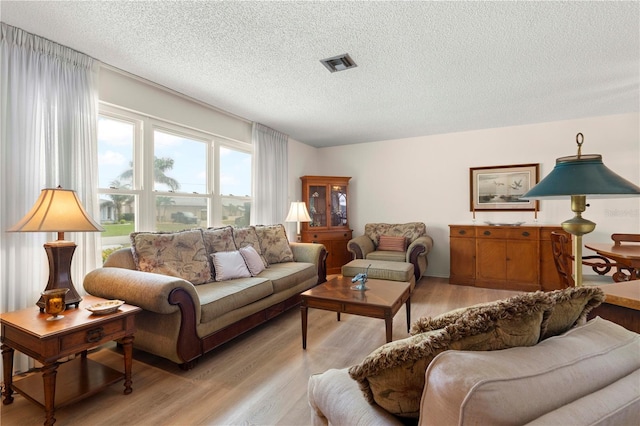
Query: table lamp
(58, 210)
(298, 213)
(576, 177)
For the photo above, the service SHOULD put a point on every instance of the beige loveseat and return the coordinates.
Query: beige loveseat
(588, 374)
(200, 288)
(405, 242)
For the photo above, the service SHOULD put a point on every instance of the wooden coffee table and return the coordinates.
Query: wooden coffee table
(382, 300)
(63, 383)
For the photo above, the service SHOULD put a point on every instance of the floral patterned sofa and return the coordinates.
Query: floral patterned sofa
(406, 242)
(200, 288)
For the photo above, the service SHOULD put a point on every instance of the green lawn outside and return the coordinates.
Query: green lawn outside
(119, 229)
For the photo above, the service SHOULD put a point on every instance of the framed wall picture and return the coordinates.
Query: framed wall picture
(499, 188)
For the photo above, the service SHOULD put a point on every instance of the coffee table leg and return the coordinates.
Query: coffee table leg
(7, 363)
(304, 313)
(388, 324)
(49, 372)
(408, 305)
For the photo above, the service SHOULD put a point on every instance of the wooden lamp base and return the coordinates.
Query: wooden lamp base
(60, 254)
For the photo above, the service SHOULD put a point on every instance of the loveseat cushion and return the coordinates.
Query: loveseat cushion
(518, 385)
(218, 298)
(393, 375)
(178, 254)
(287, 275)
(570, 308)
(274, 244)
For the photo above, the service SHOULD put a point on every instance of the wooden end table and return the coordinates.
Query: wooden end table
(382, 300)
(621, 304)
(29, 332)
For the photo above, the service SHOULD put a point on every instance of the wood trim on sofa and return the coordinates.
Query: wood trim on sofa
(190, 347)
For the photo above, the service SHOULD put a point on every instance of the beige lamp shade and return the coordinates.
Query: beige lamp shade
(298, 212)
(57, 210)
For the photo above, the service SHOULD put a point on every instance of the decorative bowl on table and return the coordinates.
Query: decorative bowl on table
(103, 308)
(504, 223)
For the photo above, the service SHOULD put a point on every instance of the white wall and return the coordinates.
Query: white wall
(136, 94)
(427, 178)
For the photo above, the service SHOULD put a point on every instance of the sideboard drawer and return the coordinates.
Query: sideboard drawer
(492, 232)
(462, 231)
(520, 233)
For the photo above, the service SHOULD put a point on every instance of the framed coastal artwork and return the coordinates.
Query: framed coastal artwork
(499, 188)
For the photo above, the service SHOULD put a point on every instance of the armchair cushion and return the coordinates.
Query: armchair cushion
(410, 230)
(390, 243)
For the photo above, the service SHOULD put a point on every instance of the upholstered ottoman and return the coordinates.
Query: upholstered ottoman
(381, 270)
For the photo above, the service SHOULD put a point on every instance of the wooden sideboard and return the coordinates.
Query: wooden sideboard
(503, 257)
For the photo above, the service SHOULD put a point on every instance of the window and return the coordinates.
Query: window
(158, 176)
(235, 186)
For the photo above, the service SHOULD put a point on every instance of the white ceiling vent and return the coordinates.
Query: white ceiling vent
(339, 63)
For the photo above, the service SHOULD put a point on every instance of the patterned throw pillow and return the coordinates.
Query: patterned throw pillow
(178, 254)
(229, 265)
(247, 236)
(392, 376)
(388, 243)
(252, 259)
(219, 239)
(274, 244)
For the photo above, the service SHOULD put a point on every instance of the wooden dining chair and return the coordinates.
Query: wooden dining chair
(563, 260)
(624, 273)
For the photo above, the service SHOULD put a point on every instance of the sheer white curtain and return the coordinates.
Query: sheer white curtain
(48, 111)
(270, 177)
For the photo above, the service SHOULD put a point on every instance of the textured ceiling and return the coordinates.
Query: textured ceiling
(423, 67)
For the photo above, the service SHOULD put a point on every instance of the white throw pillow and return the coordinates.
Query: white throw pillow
(252, 259)
(229, 265)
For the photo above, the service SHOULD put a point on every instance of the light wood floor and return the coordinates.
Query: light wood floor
(259, 378)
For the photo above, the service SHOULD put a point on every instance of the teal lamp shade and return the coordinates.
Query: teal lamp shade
(582, 175)
(577, 177)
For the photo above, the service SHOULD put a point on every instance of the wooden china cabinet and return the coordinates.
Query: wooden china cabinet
(505, 257)
(327, 201)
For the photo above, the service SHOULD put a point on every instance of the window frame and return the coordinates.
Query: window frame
(143, 166)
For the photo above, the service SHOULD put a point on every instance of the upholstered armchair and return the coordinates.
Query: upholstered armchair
(406, 242)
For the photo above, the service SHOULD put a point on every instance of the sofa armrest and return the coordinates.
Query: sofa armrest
(312, 253)
(360, 246)
(144, 289)
(335, 399)
(421, 246)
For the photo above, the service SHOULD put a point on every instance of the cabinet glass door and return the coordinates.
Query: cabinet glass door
(338, 205)
(318, 206)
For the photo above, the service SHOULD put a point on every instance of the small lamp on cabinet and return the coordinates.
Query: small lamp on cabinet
(58, 210)
(298, 213)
